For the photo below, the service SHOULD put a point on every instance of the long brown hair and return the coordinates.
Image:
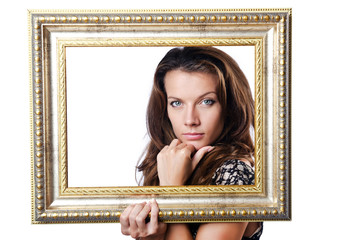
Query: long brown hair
(234, 94)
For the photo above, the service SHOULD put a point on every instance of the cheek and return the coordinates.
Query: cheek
(175, 123)
(216, 124)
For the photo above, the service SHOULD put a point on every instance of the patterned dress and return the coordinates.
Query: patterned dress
(233, 172)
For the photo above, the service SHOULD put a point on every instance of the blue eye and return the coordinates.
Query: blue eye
(208, 101)
(175, 103)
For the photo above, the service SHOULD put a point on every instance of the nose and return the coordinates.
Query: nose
(191, 116)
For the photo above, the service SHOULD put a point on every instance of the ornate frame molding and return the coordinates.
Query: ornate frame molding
(269, 30)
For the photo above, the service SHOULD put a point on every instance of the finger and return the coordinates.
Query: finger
(181, 146)
(132, 218)
(174, 143)
(124, 220)
(164, 149)
(199, 154)
(187, 151)
(154, 214)
(156, 226)
(190, 148)
(141, 217)
(126, 212)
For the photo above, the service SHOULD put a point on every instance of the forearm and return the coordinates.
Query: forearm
(221, 231)
(178, 231)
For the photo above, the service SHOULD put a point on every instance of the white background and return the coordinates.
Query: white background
(106, 109)
(325, 106)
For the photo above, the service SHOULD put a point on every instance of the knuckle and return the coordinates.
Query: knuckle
(184, 152)
(125, 231)
(134, 234)
(160, 155)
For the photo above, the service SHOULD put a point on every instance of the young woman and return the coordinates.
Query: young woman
(199, 118)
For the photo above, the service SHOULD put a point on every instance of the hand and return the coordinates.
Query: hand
(175, 162)
(133, 221)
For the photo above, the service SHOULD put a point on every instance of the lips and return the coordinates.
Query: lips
(193, 136)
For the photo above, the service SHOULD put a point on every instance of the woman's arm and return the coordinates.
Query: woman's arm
(206, 231)
(178, 231)
(215, 231)
(221, 231)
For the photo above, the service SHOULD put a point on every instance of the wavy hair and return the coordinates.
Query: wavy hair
(234, 94)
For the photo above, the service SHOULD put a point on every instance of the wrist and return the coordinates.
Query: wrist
(172, 183)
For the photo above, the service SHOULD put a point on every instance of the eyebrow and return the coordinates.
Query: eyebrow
(201, 96)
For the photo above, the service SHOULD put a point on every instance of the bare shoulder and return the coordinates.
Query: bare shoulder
(247, 161)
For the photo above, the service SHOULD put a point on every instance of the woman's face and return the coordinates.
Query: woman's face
(193, 107)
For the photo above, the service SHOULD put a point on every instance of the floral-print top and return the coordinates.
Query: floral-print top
(233, 172)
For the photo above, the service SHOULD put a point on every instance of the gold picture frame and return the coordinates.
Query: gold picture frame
(52, 36)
